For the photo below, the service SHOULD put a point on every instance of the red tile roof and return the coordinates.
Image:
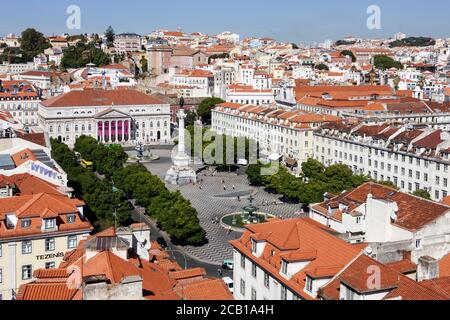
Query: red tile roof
(37, 207)
(413, 214)
(207, 289)
(23, 156)
(29, 185)
(188, 273)
(99, 97)
(444, 266)
(404, 266)
(432, 141)
(358, 276)
(302, 237)
(110, 265)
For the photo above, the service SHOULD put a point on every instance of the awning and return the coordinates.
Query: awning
(291, 162)
(274, 157)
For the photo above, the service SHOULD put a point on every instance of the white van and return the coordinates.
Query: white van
(229, 283)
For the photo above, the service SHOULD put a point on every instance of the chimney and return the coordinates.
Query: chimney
(427, 269)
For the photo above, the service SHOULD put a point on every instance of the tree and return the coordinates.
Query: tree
(384, 62)
(422, 194)
(396, 82)
(313, 169)
(13, 55)
(80, 55)
(191, 118)
(205, 107)
(413, 42)
(322, 66)
(32, 43)
(254, 174)
(388, 184)
(350, 54)
(110, 35)
(144, 64)
(294, 46)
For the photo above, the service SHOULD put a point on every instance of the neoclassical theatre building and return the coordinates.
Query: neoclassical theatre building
(111, 116)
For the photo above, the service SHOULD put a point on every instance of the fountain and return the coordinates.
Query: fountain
(249, 215)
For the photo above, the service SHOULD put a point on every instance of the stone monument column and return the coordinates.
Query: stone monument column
(181, 173)
(181, 138)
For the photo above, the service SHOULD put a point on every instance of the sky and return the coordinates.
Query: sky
(285, 20)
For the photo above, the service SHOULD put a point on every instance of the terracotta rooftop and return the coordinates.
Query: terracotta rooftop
(300, 237)
(413, 214)
(395, 284)
(88, 98)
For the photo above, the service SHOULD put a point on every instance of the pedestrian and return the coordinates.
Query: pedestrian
(234, 188)
(219, 272)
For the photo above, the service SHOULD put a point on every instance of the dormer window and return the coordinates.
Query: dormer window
(309, 284)
(49, 224)
(254, 247)
(284, 267)
(25, 223)
(71, 218)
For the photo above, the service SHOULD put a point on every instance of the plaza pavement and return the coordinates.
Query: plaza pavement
(212, 201)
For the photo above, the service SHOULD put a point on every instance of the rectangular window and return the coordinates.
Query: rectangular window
(71, 218)
(1, 275)
(49, 224)
(253, 246)
(284, 267)
(1, 251)
(254, 270)
(26, 272)
(72, 242)
(266, 280)
(349, 294)
(25, 223)
(418, 243)
(50, 265)
(242, 261)
(253, 294)
(283, 293)
(27, 247)
(242, 287)
(309, 284)
(50, 244)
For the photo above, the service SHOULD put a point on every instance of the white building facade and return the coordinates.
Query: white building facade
(410, 159)
(123, 117)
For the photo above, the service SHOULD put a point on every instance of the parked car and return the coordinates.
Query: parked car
(228, 265)
(162, 242)
(229, 283)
